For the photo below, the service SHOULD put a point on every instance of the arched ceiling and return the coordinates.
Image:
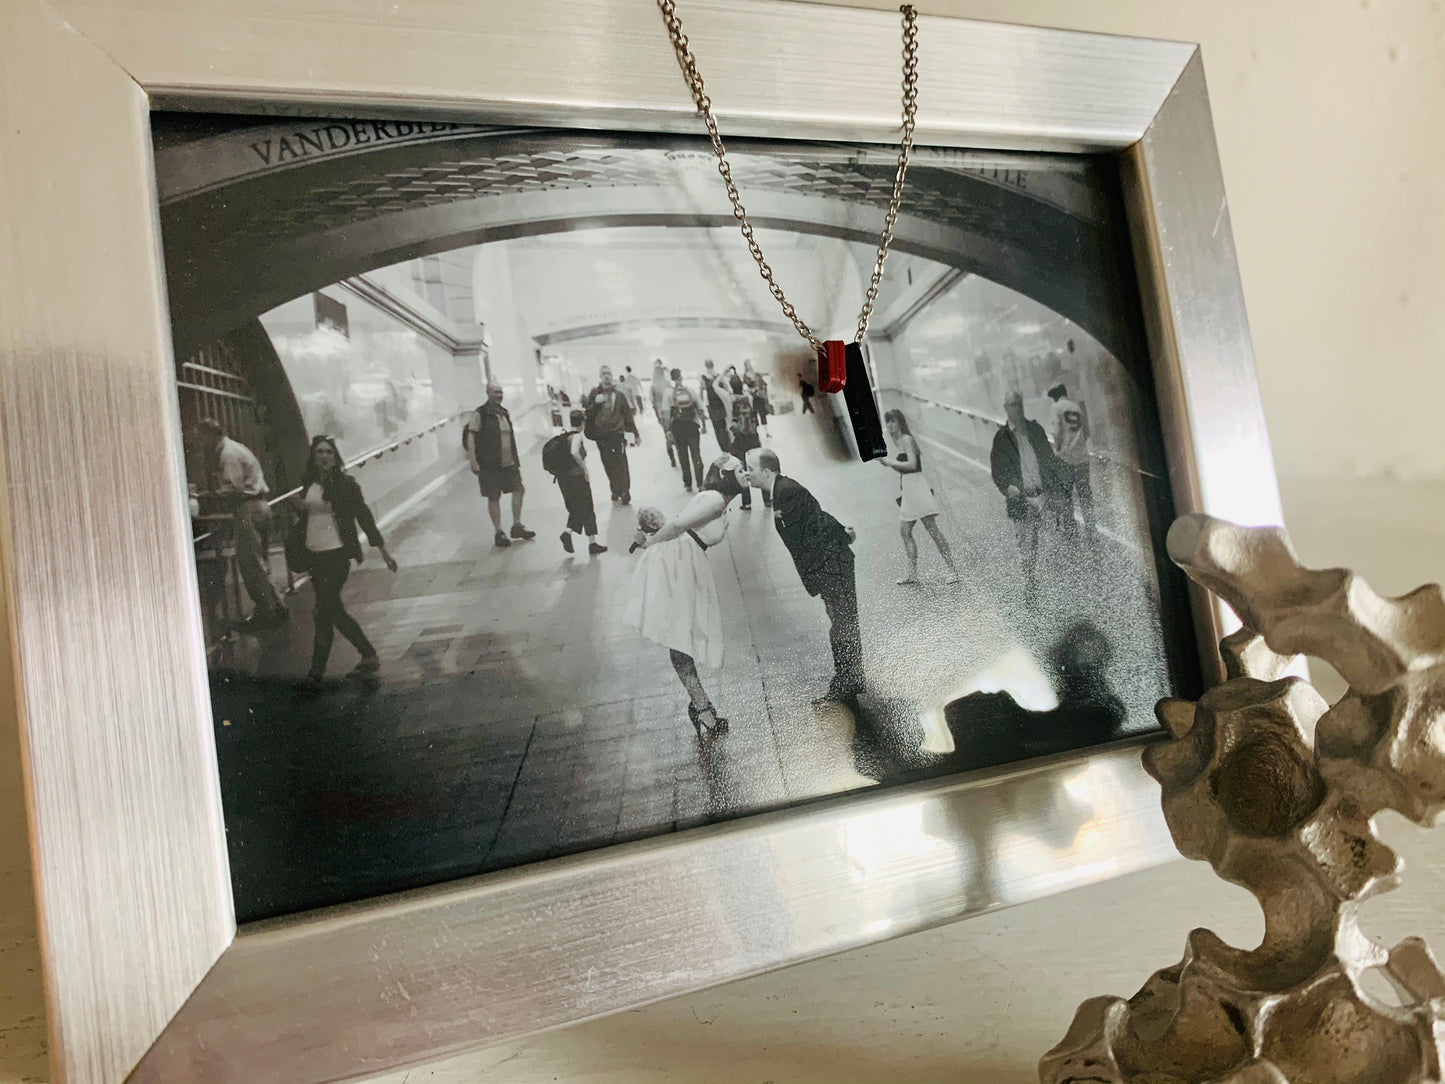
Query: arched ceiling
(237, 248)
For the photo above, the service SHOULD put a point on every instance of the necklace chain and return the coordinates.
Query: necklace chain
(698, 89)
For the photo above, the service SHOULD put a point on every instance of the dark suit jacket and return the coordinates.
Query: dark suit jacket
(819, 544)
(1007, 469)
(350, 509)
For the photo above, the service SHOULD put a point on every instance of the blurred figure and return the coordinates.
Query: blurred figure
(1026, 471)
(323, 541)
(915, 498)
(659, 398)
(1069, 428)
(491, 448)
(632, 388)
(554, 409)
(684, 427)
(564, 457)
(822, 552)
(806, 390)
(716, 398)
(609, 421)
(758, 387)
(240, 490)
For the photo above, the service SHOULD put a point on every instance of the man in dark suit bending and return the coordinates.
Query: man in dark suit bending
(821, 548)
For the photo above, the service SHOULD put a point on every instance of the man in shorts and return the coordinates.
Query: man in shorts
(491, 448)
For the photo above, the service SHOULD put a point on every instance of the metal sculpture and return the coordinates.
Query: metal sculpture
(1276, 789)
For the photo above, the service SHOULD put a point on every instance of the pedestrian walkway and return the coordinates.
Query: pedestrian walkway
(517, 718)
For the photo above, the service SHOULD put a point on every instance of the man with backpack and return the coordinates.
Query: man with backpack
(564, 457)
(1069, 428)
(491, 449)
(609, 421)
(685, 425)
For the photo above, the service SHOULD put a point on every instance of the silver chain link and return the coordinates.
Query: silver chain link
(698, 89)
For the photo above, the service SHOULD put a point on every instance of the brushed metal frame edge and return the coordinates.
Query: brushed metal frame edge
(198, 54)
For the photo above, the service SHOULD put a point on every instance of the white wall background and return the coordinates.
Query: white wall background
(1329, 116)
(1331, 121)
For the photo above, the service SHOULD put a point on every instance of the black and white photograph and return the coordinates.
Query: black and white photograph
(523, 527)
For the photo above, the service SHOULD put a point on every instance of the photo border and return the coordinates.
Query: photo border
(147, 977)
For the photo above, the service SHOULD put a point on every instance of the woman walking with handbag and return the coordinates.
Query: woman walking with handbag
(915, 498)
(323, 541)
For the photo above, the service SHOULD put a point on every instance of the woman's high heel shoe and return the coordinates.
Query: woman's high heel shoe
(718, 726)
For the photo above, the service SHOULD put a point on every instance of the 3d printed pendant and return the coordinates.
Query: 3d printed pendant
(832, 366)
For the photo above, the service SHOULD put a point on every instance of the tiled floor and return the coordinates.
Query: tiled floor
(517, 718)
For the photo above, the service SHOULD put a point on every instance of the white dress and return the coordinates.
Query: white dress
(917, 494)
(674, 599)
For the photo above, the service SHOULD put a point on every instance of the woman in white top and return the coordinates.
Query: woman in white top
(324, 542)
(915, 497)
(674, 597)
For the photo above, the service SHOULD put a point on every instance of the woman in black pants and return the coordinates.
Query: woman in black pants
(324, 541)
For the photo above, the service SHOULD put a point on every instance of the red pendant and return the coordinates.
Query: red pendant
(832, 366)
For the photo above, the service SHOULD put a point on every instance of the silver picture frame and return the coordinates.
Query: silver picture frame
(147, 976)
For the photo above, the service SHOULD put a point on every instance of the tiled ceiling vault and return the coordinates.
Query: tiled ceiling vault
(365, 197)
(239, 246)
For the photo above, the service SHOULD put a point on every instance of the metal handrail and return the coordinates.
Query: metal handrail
(360, 460)
(945, 406)
(1000, 423)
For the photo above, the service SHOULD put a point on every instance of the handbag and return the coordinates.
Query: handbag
(298, 557)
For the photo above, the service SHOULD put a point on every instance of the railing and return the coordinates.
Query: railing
(1117, 519)
(218, 578)
(998, 423)
(351, 464)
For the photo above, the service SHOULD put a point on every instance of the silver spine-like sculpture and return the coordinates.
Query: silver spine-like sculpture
(1276, 789)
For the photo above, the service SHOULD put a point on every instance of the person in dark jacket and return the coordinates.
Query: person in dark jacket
(822, 552)
(491, 448)
(324, 542)
(743, 430)
(609, 421)
(1026, 471)
(716, 396)
(576, 488)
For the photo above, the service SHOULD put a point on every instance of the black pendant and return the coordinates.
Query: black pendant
(862, 408)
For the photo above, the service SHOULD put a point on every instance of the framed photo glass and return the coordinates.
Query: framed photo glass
(488, 620)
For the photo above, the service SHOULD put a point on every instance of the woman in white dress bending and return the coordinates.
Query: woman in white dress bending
(915, 497)
(674, 598)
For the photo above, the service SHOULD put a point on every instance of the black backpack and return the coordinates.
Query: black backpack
(745, 418)
(557, 457)
(684, 406)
